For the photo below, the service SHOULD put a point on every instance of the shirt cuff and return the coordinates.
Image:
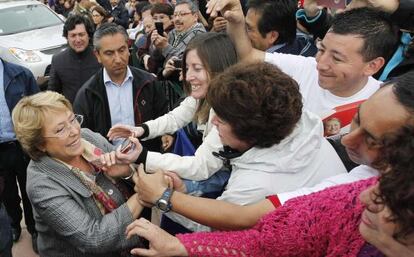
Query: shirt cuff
(274, 199)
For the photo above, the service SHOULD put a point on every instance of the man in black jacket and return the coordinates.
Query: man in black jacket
(119, 13)
(77, 63)
(118, 93)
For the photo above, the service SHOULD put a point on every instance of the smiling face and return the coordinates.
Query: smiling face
(113, 54)
(370, 125)
(332, 127)
(341, 67)
(184, 19)
(78, 38)
(196, 75)
(58, 144)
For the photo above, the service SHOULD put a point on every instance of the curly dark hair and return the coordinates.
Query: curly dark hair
(396, 185)
(260, 102)
(76, 19)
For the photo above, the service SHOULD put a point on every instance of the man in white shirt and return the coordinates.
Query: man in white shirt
(363, 144)
(356, 47)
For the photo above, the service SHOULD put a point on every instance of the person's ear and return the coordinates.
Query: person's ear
(98, 57)
(42, 148)
(374, 66)
(272, 37)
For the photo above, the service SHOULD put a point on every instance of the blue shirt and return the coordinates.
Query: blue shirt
(120, 99)
(6, 125)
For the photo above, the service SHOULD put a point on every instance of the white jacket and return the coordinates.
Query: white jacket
(198, 167)
(303, 159)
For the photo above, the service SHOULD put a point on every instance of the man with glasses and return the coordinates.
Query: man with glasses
(151, 57)
(15, 83)
(186, 27)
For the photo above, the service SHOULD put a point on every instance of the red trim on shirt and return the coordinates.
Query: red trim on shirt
(275, 200)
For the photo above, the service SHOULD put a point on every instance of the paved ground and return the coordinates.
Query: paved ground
(23, 247)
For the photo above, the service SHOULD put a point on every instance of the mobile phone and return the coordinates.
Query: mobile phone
(127, 146)
(334, 4)
(178, 63)
(160, 28)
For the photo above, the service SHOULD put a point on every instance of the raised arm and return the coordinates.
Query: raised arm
(232, 11)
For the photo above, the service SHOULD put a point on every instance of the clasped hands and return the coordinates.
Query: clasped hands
(151, 186)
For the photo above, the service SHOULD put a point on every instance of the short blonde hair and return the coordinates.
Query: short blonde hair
(29, 117)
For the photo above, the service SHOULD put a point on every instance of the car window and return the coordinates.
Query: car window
(26, 18)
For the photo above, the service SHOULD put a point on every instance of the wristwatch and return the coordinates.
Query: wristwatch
(164, 203)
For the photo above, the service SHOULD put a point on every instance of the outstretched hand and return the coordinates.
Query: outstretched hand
(124, 131)
(161, 243)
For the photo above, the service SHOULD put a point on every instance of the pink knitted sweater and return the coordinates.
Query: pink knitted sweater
(320, 224)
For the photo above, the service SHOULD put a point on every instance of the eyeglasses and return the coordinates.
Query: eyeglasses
(75, 122)
(181, 14)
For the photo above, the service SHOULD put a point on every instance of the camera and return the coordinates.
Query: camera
(178, 63)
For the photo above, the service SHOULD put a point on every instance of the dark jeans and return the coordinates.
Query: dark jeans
(6, 241)
(13, 165)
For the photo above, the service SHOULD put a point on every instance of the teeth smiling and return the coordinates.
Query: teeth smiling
(74, 143)
(194, 87)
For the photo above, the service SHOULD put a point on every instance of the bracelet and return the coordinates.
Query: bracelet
(132, 168)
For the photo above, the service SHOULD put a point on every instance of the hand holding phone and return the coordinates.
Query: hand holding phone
(160, 28)
(178, 64)
(127, 146)
(334, 4)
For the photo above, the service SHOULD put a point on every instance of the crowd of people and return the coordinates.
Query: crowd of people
(229, 117)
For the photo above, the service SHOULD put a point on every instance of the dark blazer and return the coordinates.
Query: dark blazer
(149, 103)
(121, 16)
(18, 82)
(69, 70)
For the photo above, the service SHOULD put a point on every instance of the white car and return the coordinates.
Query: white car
(30, 33)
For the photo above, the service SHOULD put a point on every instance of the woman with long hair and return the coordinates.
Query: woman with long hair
(207, 55)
